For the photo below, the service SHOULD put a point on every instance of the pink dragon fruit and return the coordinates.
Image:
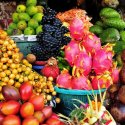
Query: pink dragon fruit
(71, 51)
(102, 61)
(84, 62)
(91, 43)
(76, 29)
(79, 81)
(101, 81)
(64, 80)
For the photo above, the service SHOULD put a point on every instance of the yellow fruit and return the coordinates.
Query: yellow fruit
(10, 61)
(53, 93)
(14, 71)
(17, 50)
(25, 79)
(11, 41)
(5, 55)
(17, 76)
(20, 80)
(19, 70)
(24, 61)
(5, 43)
(8, 72)
(20, 56)
(49, 97)
(5, 79)
(2, 74)
(13, 66)
(50, 78)
(58, 100)
(17, 84)
(4, 67)
(1, 96)
(9, 53)
(11, 82)
(1, 42)
(14, 45)
(0, 88)
(4, 60)
(12, 76)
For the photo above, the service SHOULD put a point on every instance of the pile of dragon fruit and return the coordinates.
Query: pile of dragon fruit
(92, 64)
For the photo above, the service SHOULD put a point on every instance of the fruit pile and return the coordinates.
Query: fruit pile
(22, 107)
(52, 38)
(14, 71)
(26, 19)
(92, 64)
(110, 28)
(116, 96)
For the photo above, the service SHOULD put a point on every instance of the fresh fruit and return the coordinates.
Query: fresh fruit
(109, 13)
(24, 16)
(71, 51)
(39, 29)
(76, 29)
(12, 25)
(102, 61)
(64, 80)
(50, 70)
(31, 2)
(30, 121)
(11, 120)
(10, 107)
(29, 31)
(1, 119)
(15, 17)
(38, 102)
(83, 62)
(31, 10)
(39, 116)
(10, 31)
(96, 29)
(21, 8)
(38, 17)
(10, 93)
(110, 35)
(40, 9)
(47, 111)
(22, 25)
(26, 91)
(33, 23)
(27, 109)
(91, 43)
(31, 58)
(53, 121)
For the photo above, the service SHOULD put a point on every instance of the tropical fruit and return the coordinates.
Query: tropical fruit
(38, 17)
(21, 8)
(22, 25)
(13, 26)
(31, 10)
(24, 16)
(39, 29)
(29, 31)
(33, 23)
(96, 29)
(9, 31)
(15, 17)
(40, 9)
(31, 2)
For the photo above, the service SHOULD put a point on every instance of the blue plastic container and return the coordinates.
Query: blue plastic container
(67, 96)
(37, 68)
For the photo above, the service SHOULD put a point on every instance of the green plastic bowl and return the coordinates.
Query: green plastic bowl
(67, 103)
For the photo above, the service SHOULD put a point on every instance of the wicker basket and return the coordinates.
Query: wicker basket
(67, 96)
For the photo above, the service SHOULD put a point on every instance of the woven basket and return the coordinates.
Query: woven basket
(67, 96)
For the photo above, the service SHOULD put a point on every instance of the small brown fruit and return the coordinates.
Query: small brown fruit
(31, 58)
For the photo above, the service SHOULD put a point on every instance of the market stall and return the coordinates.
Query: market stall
(62, 64)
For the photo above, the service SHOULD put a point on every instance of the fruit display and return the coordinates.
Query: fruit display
(115, 96)
(53, 37)
(110, 28)
(92, 65)
(14, 70)
(25, 108)
(93, 113)
(26, 19)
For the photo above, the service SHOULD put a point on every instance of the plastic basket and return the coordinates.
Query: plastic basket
(25, 46)
(67, 96)
(37, 68)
